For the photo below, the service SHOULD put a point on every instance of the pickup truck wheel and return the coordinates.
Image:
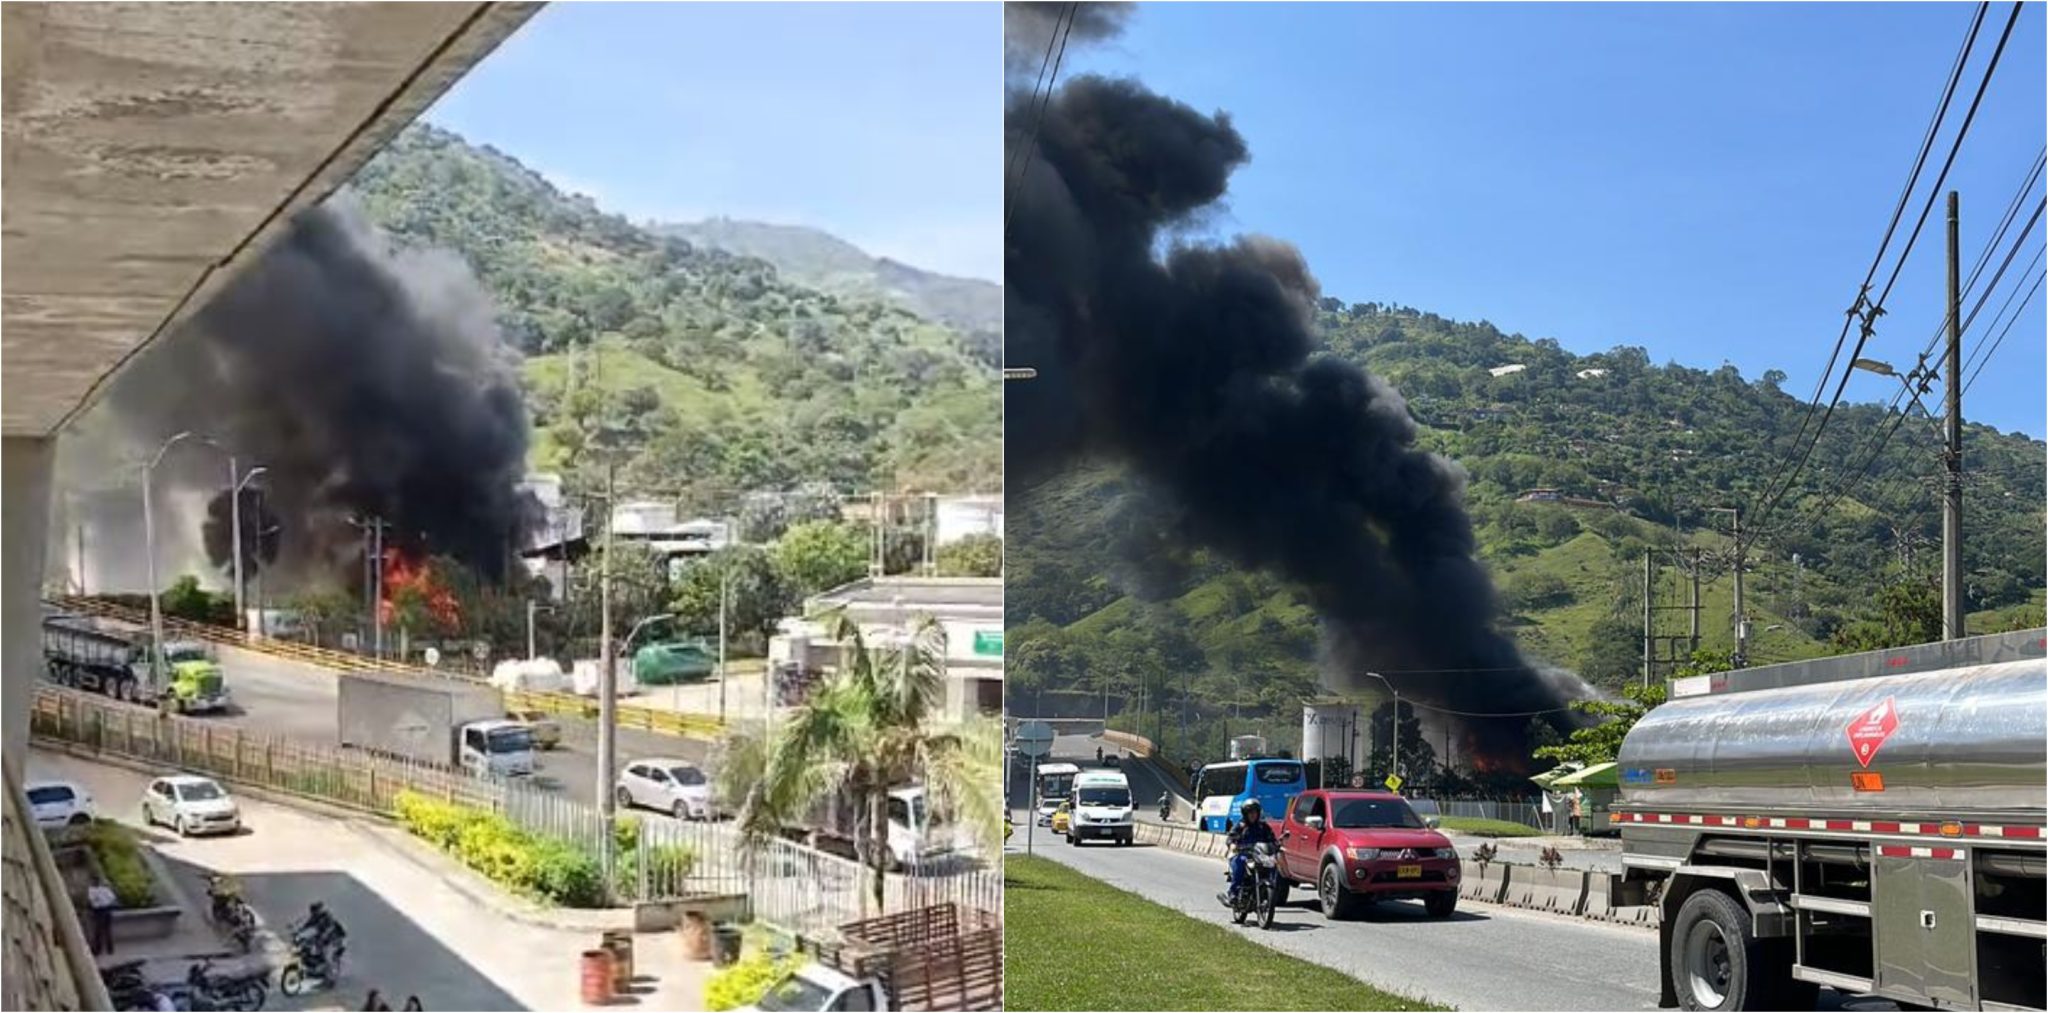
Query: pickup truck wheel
(624, 797)
(1716, 963)
(1338, 903)
(1280, 893)
(681, 811)
(1441, 904)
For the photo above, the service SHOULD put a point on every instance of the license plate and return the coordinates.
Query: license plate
(1408, 872)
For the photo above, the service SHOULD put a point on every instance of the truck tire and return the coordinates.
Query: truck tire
(1717, 963)
(1337, 903)
(1441, 904)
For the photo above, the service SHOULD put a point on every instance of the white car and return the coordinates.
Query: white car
(60, 804)
(672, 786)
(190, 805)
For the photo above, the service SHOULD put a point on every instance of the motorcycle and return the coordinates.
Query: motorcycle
(1261, 892)
(230, 912)
(1165, 808)
(313, 964)
(243, 990)
(127, 986)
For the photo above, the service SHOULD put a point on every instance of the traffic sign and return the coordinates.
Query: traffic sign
(1034, 738)
(1394, 782)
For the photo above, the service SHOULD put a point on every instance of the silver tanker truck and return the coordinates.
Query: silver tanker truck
(1872, 823)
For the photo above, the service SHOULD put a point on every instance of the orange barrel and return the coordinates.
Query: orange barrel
(696, 935)
(620, 945)
(597, 977)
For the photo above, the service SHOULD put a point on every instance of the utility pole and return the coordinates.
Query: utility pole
(724, 595)
(1695, 607)
(1952, 499)
(1741, 658)
(607, 675)
(235, 529)
(377, 583)
(1649, 596)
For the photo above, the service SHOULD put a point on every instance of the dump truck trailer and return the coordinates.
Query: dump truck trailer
(103, 656)
(438, 721)
(942, 957)
(1872, 823)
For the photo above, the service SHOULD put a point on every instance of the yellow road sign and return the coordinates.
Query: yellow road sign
(1393, 782)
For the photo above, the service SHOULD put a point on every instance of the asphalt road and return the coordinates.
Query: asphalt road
(294, 700)
(1481, 958)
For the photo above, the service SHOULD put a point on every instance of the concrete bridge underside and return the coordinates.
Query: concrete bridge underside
(150, 150)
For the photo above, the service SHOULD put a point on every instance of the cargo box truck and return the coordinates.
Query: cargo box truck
(441, 722)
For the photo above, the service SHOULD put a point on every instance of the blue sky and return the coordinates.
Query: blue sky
(1707, 181)
(880, 123)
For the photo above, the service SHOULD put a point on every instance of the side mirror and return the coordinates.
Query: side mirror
(1433, 822)
(1314, 822)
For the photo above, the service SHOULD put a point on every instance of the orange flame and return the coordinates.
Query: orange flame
(401, 573)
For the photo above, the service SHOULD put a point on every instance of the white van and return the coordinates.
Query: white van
(1102, 807)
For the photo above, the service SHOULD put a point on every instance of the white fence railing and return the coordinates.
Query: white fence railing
(796, 887)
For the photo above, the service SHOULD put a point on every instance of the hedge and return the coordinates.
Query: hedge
(534, 866)
(749, 978)
(120, 858)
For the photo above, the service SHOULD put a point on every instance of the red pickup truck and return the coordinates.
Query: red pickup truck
(1356, 847)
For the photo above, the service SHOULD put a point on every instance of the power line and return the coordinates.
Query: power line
(1877, 308)
(1905, 194)
(1993, 347)
(1038, 122)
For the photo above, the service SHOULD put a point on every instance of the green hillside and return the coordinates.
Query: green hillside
(830, 264)
(1642, 453)
(714, 371)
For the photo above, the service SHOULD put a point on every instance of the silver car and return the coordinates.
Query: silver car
(672, 786)
(190, 805)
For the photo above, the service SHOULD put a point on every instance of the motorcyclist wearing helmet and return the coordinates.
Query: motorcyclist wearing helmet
(319, 931)
(1251, 830)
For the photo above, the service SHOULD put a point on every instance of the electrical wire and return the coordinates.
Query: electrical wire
(1031, 145)
(1877, 308)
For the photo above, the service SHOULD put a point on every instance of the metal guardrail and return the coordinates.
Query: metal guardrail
(681, 724)
(46, 964)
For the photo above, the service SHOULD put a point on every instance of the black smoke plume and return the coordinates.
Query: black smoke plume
(1194, 365)
(370, 381)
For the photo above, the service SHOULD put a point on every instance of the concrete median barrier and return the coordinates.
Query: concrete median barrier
(1559, 891)
(1486, 884)
(1599, 897)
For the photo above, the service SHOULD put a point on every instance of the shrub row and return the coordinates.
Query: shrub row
(548, 870)
(120, 857)
(749, 978)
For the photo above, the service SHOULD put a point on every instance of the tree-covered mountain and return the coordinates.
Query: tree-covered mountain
(830, 264)
(1577, 465)
(714, 372)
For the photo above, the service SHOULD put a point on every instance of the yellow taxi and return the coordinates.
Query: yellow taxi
(1059, 818)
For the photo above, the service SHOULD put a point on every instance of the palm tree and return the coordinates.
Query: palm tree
(869, 727)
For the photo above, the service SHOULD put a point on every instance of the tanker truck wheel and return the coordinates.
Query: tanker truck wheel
(1717, 963)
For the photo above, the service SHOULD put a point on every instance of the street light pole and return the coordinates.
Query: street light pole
(235, 524)
(607, 676)
(724, 577)
(156, 611)
(1395, 763)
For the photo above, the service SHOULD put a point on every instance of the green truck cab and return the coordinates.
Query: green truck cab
(193, 678)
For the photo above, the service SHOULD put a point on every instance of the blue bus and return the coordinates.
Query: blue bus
(1222, 788)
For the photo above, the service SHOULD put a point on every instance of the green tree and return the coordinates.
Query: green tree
(819, 555)
(870, 726)
(973, 556)
(324, 613)
(757, 597)
(1908, 612)
(1601, 743)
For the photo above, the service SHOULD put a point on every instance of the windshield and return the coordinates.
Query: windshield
(510, 740)
(200, 791)
(690, 776)
(46, 796)
(1106, 796)
(795, 993)
(179, 654)
(1368, 813)
(1055, 786)
(1279, 773)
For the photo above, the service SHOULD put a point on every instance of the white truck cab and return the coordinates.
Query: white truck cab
(916, 836)
(500, 747)
(816, 987)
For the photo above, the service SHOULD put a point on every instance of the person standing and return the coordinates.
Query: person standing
(1549, 813)
(101, 902)
(1578, 803)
